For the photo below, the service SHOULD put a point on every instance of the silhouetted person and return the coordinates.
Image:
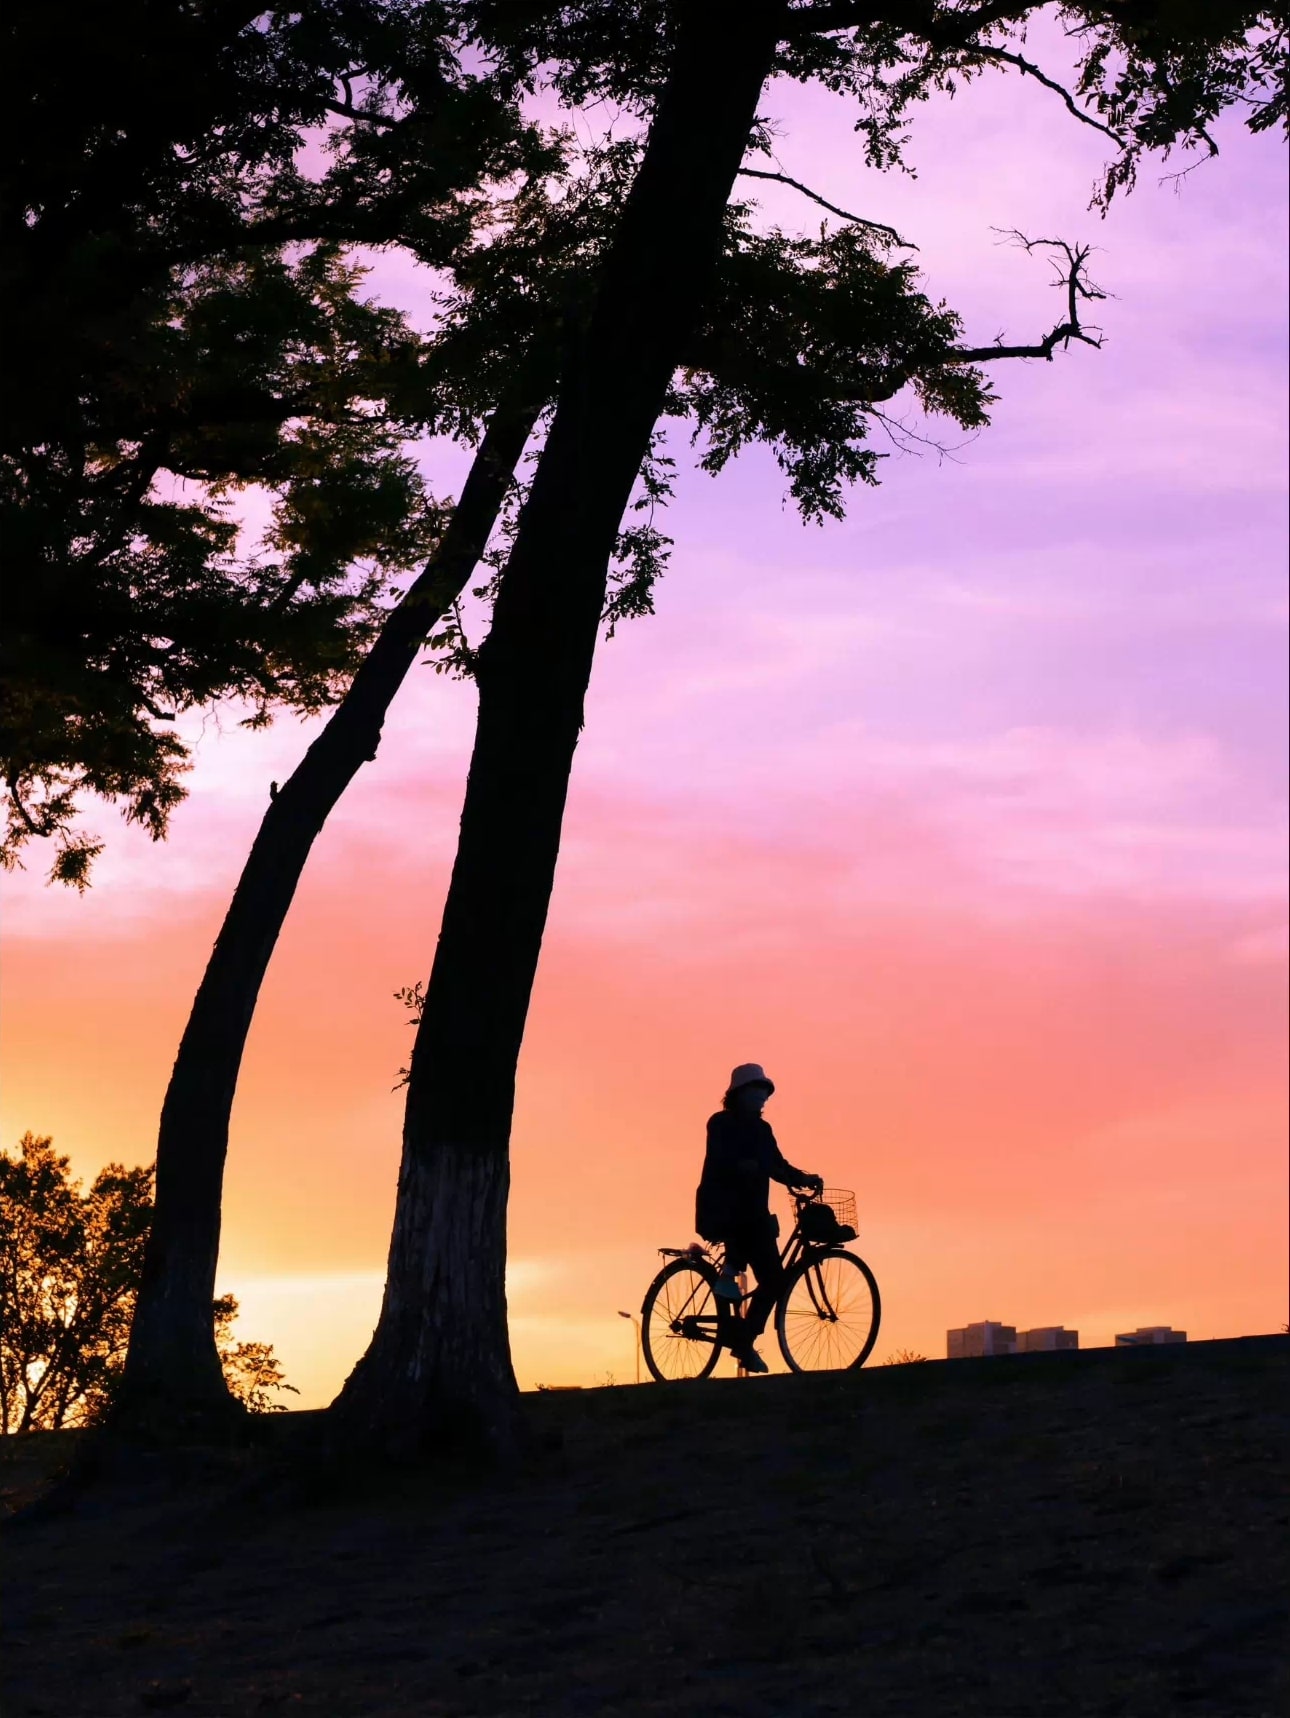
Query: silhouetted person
(733, 1202)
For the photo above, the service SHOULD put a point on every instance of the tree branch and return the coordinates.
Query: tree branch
(284, 596)
(45, 826)
(1077, 286)
(921, 18)
(872, 386)
(1033, 71)
(846, 215)
(347, 110)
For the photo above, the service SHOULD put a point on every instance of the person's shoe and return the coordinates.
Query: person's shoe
(727, 1287)
(750, 1360)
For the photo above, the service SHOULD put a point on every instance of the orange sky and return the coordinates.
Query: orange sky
(965, 817)
(1073, 1116)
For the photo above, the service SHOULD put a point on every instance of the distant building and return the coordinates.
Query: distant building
(1049, 1336)
(1148, 1334)
(977, 1340)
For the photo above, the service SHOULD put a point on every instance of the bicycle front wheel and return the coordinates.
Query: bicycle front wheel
(828, 1316)
(681, 1324)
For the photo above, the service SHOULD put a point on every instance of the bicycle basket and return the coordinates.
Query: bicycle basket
(828, 1220)
(841, 1203)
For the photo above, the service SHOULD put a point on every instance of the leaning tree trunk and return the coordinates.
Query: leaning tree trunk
(172, 1369)
(439, 1362)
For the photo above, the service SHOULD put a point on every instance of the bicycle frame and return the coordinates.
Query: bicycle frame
(715, 1326)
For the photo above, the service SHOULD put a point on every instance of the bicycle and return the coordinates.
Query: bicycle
(826, 1317)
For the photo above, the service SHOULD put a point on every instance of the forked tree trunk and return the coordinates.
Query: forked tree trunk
(439, 1362)
(172, 1370)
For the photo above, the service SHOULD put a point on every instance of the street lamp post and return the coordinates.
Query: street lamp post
(636, 1326)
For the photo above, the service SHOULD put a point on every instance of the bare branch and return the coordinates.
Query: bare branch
(1078, 286)
(1176, 179)
(906, 440)
(846, 215)
(1025, 66)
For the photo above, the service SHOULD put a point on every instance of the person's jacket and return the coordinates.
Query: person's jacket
(741, 1162)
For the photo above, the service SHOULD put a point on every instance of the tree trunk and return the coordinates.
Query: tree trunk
(439, 1362)
(172, 1368)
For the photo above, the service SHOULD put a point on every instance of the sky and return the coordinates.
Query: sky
(966, 817)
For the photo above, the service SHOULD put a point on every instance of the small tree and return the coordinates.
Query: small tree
(251, 1370)
(69, 1273)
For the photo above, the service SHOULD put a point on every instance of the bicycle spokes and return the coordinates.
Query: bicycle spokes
(681, 1324)
(828, 1317)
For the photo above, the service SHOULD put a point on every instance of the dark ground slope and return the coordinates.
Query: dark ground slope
(1102, 1533)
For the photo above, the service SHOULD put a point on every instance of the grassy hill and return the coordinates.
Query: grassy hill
(1098, 1533)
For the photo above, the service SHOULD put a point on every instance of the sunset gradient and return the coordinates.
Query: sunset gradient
(965, 817)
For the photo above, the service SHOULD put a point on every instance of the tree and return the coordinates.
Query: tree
(491, 361)
(1151, 77)
(794, 301)
(69, 1271)
(846, 330)
(190, 327)
(173, 1353)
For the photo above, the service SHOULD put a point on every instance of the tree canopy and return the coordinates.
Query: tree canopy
(69, 1273)
(180, 186)
(177, 186)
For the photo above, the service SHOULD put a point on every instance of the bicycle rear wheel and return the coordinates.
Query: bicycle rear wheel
(681, 1324)
(828, 1315)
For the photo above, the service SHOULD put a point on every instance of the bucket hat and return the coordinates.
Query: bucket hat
(750, 1074)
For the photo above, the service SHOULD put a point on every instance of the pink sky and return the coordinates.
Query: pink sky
(966, 817)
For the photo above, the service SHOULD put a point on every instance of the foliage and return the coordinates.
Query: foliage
(69, 1271)
(413, 998)
(182, 189)
(251, 1369)
(802, 343)
(805, 340)
(904, 1357)
(191, 328)
(69, 1263)
(1153, 75)
(128, 600)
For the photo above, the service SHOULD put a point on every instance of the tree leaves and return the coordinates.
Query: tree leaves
(181, 190)
(69, 1272)
(69, 1264)
(191, 328)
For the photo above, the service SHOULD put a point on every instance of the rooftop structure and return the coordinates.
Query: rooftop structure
(1046, 1338)
(1147, 1335)
(977, 1340)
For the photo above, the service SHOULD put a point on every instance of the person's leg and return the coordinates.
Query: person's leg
(736, 1262)
(761, 1248)
(731, 1265)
